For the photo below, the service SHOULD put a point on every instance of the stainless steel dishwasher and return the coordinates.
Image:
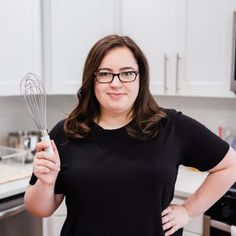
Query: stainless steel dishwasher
(15, 220)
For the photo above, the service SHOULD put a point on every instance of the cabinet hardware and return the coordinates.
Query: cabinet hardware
(11, 212)
(178, 58)
(165, 72)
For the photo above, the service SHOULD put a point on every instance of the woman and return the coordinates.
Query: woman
(117, 154)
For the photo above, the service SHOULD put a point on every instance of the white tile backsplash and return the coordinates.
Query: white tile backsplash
(212, 112)
(14, 115)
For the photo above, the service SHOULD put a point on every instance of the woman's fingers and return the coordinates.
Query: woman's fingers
(47, 156)
(39, 170)
(174, 217)
(46, 163)
(41, 146)
(167, 215)
(169, 224)
(172, 230)
(166, 211)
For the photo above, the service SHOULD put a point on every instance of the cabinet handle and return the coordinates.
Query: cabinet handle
(165, 72)
(178, 58)
(220, 225)
(209, 223)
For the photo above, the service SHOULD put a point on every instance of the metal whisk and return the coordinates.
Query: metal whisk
(34, 94)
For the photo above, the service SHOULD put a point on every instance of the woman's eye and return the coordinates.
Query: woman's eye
(104, 74)
(127, 73)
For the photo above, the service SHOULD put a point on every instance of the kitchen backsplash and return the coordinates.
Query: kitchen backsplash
(212, 112)
(15, 117)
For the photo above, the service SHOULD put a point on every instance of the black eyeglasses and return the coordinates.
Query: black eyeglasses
(108, 77)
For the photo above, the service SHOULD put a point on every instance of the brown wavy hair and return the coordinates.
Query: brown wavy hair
(146, 114)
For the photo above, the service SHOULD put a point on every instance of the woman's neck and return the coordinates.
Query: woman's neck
(113, 121)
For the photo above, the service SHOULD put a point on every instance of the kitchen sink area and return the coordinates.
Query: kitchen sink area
(12, 166)
(14, 179)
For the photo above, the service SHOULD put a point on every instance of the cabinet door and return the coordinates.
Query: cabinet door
(204, 45)
(71, 29)
(186, 233)
(150, 23)
(61, 210)
(52, 226)
(20, 48)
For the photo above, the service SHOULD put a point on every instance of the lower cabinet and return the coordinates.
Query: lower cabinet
(186, 233)
(195, 227)
(52, 225)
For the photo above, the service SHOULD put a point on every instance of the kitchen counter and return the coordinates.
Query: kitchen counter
(14, 180)
(188, 181)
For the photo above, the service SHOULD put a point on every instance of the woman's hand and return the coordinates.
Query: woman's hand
(174, 217)
(45, 165)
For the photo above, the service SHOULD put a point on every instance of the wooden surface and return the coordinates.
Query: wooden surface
(9, 173)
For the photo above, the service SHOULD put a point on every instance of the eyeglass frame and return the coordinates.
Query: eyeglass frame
(118, 75)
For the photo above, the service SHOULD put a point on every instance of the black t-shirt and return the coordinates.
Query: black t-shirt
(117, 186)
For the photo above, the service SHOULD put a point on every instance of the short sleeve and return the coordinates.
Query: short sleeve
(56, 134)
(200, 147)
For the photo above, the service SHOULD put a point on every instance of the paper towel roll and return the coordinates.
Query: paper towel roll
(233, 230)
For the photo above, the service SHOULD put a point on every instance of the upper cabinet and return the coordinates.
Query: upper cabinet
(205, 47)
(151, 25)
(70, 30)
(188, 44)
(20, 47)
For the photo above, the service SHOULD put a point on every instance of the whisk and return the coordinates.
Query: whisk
(34, 94)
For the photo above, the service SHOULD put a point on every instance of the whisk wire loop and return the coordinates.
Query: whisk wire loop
(35, 97)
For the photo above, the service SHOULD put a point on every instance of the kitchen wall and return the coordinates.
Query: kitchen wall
(14, 115)
(212, 112)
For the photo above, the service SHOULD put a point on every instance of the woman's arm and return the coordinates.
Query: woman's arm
(219, 180)
(39, 198)
(41, 201)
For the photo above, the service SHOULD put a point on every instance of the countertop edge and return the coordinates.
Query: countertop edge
(13, 188)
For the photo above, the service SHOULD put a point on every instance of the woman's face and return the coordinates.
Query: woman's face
(117, 97)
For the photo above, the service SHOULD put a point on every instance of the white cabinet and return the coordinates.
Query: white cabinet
(20, 47)
(52, 226)
(150, 23)
(195, 227)
(205, 31)
(188, 44)
(70, 30)
(185, 233)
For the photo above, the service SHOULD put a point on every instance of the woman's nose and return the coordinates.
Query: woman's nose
(116, 81)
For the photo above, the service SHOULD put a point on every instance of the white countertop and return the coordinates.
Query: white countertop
(17, 179)
(14, 179)
(188, 181)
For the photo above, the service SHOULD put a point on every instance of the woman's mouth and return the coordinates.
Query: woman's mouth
(115, 95)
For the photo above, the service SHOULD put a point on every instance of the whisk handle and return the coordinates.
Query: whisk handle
(46, 139)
